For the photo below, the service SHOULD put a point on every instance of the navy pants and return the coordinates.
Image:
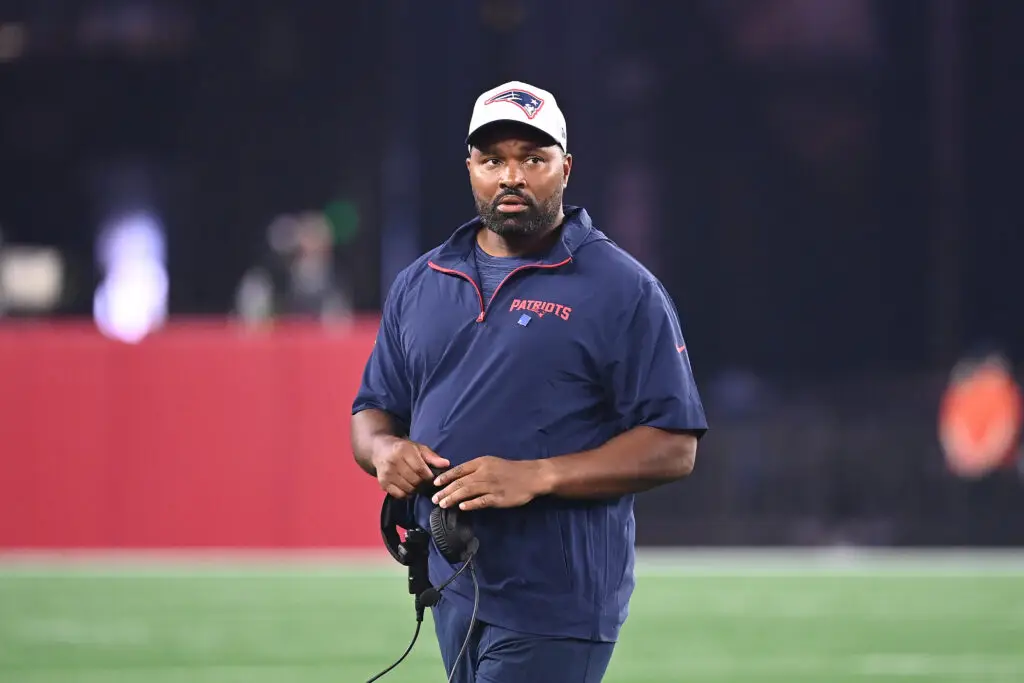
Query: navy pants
(497, 655)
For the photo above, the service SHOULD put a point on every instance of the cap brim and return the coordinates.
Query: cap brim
(513, 122)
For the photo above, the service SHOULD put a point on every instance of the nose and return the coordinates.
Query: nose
(513, 177)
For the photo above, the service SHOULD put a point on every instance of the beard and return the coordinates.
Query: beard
(532, 221)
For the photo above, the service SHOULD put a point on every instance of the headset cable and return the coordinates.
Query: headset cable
(472, 620)
(429, 598)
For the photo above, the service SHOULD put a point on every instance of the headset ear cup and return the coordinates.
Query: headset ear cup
(439, 533)
(450, 533)
(389, 530)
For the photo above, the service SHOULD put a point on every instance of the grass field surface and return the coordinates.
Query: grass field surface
(714, 617)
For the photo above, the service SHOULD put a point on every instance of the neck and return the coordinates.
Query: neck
(518, 245)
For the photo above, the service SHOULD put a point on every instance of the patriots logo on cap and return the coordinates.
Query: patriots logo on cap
(528, 102)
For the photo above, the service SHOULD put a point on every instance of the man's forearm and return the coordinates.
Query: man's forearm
(637, 460)
(369, 427)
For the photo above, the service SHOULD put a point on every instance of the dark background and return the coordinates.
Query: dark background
(826, 187)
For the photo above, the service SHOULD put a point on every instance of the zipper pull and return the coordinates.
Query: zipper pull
(480, 318)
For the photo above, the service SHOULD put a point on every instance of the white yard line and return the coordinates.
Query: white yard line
(650, 562)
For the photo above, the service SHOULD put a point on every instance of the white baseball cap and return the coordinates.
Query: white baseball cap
(522, 103)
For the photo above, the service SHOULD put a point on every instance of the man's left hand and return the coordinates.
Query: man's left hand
(489, 482)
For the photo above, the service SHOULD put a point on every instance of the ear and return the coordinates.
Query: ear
(566, 169)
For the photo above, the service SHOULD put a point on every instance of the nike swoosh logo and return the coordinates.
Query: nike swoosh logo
(682, 348)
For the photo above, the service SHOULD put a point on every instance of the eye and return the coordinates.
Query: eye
(491, 162)
(534, 161)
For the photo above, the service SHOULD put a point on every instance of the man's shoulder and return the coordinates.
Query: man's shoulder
(409, 275)
(615, 267)
(411, 271)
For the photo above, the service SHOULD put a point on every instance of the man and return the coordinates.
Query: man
(546, 368)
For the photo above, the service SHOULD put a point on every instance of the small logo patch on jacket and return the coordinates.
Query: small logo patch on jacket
(541, 308)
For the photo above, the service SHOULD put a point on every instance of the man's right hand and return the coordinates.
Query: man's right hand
(403, 465)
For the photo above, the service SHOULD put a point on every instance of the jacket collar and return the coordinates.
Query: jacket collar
(576, 228)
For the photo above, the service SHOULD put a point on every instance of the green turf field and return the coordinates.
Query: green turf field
(721, 620)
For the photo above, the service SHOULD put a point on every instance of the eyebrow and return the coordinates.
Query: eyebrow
(529, 149)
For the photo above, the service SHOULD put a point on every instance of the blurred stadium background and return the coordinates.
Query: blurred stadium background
(201, 206)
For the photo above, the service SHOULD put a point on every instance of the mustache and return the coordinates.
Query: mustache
(512, 193)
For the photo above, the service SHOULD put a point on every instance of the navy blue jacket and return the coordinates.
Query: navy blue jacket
(568, 353)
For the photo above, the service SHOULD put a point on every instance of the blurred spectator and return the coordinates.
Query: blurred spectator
(298, 277)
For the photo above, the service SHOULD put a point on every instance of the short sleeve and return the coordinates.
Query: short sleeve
(650, 376)
(385, 383)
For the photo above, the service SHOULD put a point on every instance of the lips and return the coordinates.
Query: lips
(508, 207)
(512, 204)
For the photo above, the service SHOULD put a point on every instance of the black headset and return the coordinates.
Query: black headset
(452, 534)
